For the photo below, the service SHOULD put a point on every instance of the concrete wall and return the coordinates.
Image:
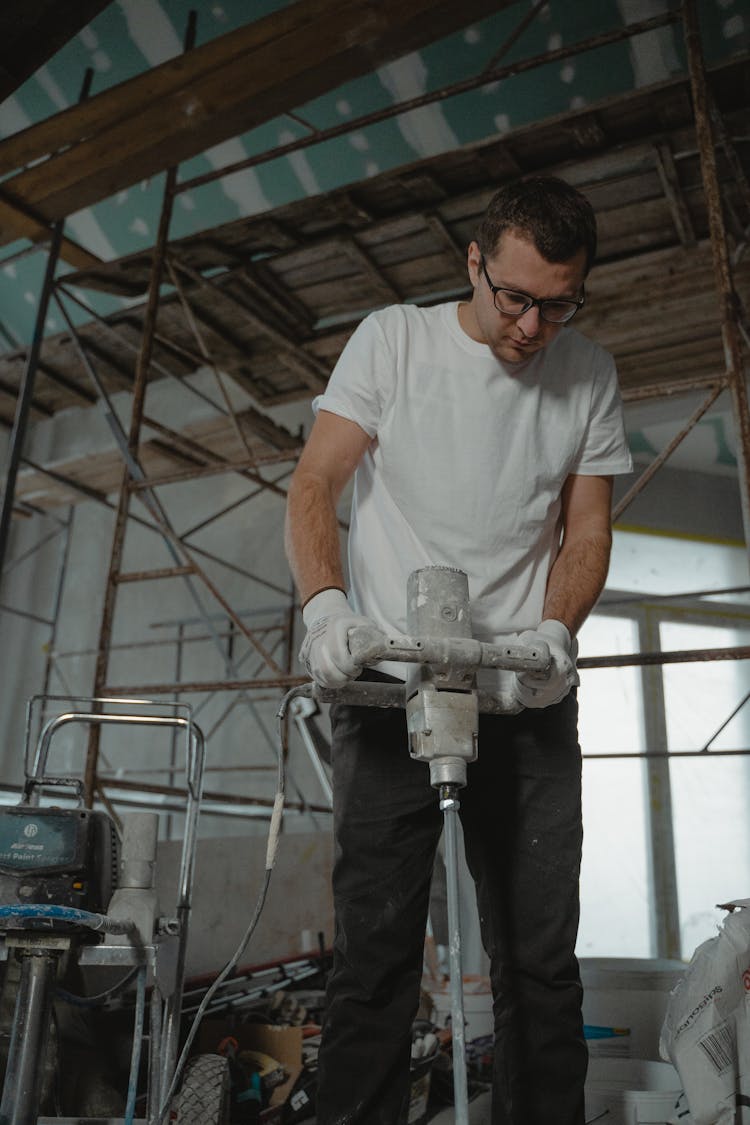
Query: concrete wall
(697, 490)
(228, 879)
(681, 502)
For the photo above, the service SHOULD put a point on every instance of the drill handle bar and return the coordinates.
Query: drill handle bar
(364, 693)
(457, 656)
(463, 654)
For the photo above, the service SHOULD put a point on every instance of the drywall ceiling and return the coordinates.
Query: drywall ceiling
(290, 251)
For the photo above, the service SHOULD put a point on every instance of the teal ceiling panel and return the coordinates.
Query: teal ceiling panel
(132, 36)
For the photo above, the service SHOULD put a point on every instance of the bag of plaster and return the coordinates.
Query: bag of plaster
(706, 1032)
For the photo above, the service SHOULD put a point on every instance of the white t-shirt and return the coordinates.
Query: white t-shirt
(467, 459)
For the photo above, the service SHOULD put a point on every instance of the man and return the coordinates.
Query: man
(482, 435)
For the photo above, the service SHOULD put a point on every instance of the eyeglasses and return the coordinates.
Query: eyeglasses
(555, 310)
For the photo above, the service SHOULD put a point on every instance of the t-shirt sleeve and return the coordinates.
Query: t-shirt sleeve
(359, 384)
(604, 450)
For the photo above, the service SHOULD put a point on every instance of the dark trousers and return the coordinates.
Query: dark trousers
(521, 819)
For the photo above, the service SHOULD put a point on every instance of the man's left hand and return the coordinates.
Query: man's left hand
(535, 689)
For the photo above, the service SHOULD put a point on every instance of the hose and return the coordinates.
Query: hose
(100, 998)
(274, 832)
(43, 912)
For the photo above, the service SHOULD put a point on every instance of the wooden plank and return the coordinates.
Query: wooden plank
(647, 372)
(102, 471)
(703, 354)
(377, 199)
(29, 226)
(434, 274)
(82, 394)
(99, 113)
(215, 92)
(370, 268)
(649, 305)
(293, 357)
(40, 407)
(279, 303)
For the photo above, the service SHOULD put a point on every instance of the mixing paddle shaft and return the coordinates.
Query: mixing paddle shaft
(449, 804)
(442, 714)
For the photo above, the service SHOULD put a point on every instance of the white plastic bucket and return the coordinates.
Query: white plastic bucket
(624, 992)
(631, 1091)
(478, 1017)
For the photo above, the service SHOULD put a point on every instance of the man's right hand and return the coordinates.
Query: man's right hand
(325, 650)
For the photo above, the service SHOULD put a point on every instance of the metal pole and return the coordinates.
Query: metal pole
(22, 1091)
(728, 300)
(449, 804)
(171, 778)
(143, 367)
(665, 454)
(62, 574)
(673, 387)
(155, 1089)
(173, 1001)
(175, 544)
(23, 404)
(208, 359)
(665, 919)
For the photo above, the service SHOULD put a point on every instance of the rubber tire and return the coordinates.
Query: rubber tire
(204, 1095)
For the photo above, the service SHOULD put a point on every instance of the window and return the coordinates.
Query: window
(709, 794)
(614, 875)
(661, 595)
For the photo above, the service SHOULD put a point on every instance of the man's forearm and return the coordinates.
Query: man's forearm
(577, 579)
(312, 537)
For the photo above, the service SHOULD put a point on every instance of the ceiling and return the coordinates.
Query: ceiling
(33, 32)
(269, 297)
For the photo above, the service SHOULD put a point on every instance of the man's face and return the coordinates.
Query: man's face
(516, 264)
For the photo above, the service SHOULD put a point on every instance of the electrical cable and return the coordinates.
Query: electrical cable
(101, 997)
(271, 849)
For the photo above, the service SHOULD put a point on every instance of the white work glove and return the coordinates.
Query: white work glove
(325, 650)
(535, 689)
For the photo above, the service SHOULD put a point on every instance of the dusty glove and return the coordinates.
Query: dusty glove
(535, 689)
(325, 650)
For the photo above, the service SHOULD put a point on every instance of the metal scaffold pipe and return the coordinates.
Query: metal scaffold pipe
(728, 302)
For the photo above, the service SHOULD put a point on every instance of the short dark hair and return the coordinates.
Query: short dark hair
(549, 212)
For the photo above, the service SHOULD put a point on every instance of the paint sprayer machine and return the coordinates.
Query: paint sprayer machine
(442, 704)
(75, 891)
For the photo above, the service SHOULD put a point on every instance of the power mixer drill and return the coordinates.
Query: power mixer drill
(442, 703)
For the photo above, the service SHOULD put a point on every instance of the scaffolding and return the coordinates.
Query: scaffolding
(256, 651)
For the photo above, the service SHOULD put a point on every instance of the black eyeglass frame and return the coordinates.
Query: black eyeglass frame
(531, 302)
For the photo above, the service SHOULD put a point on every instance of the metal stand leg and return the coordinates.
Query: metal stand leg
(156, 1090)
(22, 1091)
